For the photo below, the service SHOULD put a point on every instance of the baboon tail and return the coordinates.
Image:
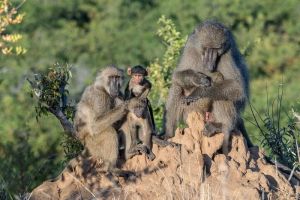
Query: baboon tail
(241, 127)
(226, 146)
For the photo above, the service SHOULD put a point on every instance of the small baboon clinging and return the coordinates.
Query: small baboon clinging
(189, 80)
(97, 116)
(211, 47)
(136, 131)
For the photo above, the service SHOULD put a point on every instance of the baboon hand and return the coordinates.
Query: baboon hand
(131, 103)
(209, 57)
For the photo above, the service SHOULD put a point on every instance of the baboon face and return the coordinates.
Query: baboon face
(111, 80)
(137, 78)
(114, 85)
(213, 42)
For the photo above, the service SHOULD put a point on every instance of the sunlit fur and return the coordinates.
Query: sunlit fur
(229, 97)
(96, 116)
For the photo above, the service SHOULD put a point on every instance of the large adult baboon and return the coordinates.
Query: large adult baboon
(211, 47)
(97, 118)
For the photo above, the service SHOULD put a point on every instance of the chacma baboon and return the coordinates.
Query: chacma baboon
(137, 85)
(140, 119)
(97, 118)
(189, 80)
(211, 47)
(136, 131)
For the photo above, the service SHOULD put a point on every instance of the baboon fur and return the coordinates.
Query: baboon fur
(97, 117)
(211, 47)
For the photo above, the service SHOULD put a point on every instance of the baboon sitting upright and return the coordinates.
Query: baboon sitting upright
(97, 116)
(141, 120)
(136, 131)
(211, 47)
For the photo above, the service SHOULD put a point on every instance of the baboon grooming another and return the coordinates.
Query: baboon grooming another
(97, 118)
(210, 48)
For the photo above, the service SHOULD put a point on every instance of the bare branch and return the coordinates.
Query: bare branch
(66, 124)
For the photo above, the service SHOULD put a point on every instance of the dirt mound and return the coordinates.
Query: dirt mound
(196, 170)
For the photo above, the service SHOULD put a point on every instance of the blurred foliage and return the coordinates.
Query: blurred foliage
(50, 90)
(279, 138)
(9, 16)
(21, 167)
(72, 147)
(161, 71)
(90, 34)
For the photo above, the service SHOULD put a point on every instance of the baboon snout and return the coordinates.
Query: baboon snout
(114, 92)
(114, 88)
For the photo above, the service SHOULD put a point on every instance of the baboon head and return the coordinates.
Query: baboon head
(212, 41)
(139, 105)
(137, 73)
(110, 79)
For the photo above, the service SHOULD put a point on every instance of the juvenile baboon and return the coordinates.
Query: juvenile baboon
(211, 47)
(136, 131)
(138, 84)
(141, 119)
(97, 118)
(135, 87)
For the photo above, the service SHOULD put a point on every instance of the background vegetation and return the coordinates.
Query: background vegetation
(90, 34)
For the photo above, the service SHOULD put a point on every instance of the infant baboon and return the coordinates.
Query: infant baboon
(136, 131)
(97, 118)
(189, 80)
(211, 47)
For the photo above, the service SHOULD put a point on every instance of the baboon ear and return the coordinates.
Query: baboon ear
(148, 71)
(144, 94)
(129, 71)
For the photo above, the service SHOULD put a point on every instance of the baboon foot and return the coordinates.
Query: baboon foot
(146, 150)
(211, 129)
(141, 148)
(133, 150)
(164, 142)
(150, 155)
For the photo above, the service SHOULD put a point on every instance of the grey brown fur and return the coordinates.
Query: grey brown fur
(97, 117)
(136, 131)
(211, 47)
